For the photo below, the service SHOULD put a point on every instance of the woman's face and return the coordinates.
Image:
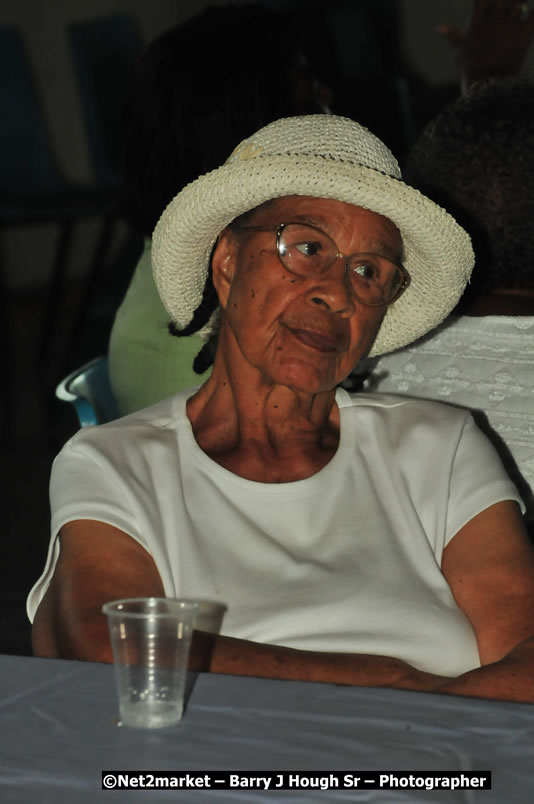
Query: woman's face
(307, 333)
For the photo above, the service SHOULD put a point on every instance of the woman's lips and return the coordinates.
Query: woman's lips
(316, 340)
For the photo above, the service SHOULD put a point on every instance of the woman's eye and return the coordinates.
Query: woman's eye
(309, 248)
(366, 270)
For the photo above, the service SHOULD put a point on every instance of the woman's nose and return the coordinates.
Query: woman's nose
(332, 290)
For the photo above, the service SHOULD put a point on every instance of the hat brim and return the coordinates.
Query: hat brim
(437, 251)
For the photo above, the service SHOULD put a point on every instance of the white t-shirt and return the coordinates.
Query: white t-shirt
(485, 363)
(345, 560)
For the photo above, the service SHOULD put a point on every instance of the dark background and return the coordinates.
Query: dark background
(392, 73)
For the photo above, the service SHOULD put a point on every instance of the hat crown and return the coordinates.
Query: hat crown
(319, 135)
(318, 156)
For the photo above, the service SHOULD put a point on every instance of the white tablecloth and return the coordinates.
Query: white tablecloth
(58, 732)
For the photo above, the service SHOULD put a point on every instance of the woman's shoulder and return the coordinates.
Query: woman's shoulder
(401, 407)
(156, 422)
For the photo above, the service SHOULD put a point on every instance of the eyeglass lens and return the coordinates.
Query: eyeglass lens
(308, 251)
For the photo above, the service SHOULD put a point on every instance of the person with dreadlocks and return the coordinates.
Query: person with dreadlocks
(199, 88)
(357, 539)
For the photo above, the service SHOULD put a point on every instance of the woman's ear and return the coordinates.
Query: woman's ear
(223, 262)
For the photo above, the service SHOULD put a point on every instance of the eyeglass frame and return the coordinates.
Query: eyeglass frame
(279, 228)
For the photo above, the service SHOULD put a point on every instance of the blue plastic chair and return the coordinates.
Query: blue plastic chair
(88, 388)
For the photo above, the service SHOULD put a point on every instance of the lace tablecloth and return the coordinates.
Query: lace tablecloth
(483, 363)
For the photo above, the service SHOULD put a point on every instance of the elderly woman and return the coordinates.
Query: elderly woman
(354, 539)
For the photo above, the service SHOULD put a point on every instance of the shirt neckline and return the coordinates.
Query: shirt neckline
(211, 467)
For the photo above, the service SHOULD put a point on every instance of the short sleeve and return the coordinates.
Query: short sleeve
(478, 479)
(83, 485)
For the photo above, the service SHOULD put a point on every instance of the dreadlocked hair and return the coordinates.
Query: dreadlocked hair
(201, 316)
(209, 303)
(206, 356)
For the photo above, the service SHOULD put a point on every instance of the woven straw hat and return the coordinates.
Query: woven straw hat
(324, 156)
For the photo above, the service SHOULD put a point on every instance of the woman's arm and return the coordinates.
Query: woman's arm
(220, 654)
(97, 563)
(489, 566)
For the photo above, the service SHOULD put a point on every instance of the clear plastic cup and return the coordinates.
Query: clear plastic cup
(209, 615)
(150, 639)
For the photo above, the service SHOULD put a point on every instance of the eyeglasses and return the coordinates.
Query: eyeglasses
(307, 251)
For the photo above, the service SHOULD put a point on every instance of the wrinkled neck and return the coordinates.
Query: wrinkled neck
(260, 429)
